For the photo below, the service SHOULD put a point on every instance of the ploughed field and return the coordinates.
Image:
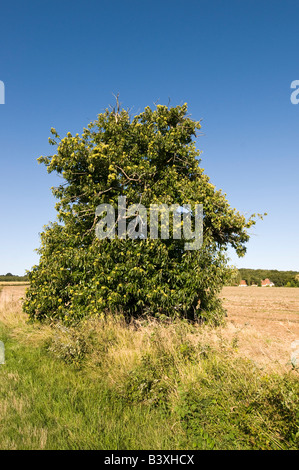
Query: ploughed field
(265, 321)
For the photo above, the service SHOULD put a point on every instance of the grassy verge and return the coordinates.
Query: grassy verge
(108, 385)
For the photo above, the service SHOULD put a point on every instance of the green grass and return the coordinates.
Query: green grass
(107, 385)
(46, 404)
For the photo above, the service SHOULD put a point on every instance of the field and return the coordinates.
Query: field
(13, 283)
(108, 385)
(265, 321)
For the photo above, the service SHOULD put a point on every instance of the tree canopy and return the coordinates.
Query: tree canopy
(150, 158)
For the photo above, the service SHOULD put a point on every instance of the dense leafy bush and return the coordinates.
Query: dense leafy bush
(252, 410)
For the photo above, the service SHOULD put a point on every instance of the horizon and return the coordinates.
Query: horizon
(249, 269)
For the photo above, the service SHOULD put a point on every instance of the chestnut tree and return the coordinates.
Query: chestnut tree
(150, 158)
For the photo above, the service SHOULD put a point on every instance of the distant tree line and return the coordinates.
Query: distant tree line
(255, 276)
(12, 278)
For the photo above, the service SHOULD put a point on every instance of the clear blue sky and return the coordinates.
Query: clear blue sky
(232, 61)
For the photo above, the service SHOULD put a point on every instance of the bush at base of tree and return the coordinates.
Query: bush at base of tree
(150, 158)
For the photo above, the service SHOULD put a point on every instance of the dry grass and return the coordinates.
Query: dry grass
(262, 324)
(11, 293)
(10, 305)
(12, 316)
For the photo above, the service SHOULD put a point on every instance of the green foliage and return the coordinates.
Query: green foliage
(235, 407)
(69, 344)
(12, 278)
(279, 278)
(146, 383)
(190, 411)
(150, 158)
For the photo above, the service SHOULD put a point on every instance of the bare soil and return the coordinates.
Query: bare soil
(264, 322)
(11, 293)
